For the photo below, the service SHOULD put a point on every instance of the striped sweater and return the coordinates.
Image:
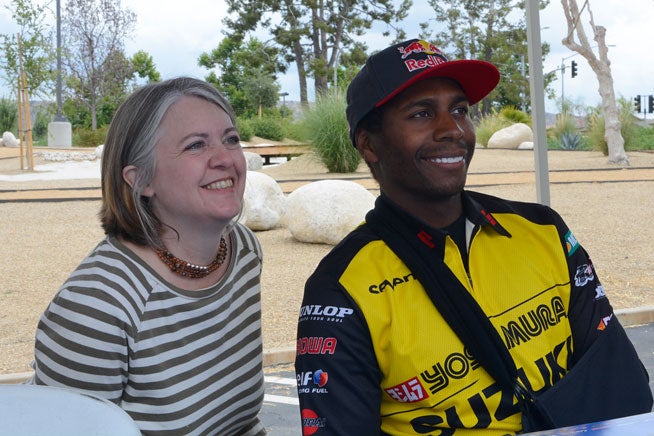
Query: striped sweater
(178, 362)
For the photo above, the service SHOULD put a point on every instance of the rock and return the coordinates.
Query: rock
(527, 145)
(263, 202)
(98, 151)
(9, 140)
(327, 210)
(254, 161)
(511, 137)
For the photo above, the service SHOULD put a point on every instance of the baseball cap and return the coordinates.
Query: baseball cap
(392, 70)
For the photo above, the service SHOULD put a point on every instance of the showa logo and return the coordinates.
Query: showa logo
(434, 55)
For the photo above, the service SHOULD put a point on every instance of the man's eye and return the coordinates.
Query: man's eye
(421, 114)
(232, 142)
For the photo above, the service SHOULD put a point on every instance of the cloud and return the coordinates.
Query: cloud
(176, 34)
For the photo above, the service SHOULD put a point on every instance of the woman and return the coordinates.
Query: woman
(163, 317)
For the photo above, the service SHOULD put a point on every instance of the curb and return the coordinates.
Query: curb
(637, 316)
(286, 355)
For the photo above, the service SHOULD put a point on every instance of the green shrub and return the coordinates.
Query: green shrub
(268, 128)
(488, 125)
(629, 129)
(510, 113)
(642, 138)
(245, 130)
(83, 137)
(294, 130)
(328, 132)
(8, 116)
(40, 124)
(566, 134)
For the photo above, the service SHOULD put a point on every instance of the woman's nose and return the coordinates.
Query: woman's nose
(220, 155)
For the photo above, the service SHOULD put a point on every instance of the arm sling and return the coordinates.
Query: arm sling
(610, 375)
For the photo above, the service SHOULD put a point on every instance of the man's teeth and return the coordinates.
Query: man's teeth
(221, 184)
(447, 160)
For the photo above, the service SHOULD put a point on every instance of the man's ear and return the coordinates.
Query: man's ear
(130, 173)
(365, 146)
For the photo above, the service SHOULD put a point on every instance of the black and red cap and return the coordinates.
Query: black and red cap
(392, 70)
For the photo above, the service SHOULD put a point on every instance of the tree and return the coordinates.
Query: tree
(37, 50)
(312, 34)
(482, 29)
(602, 68)
(97, 68)
(144, 67)
(248, 73)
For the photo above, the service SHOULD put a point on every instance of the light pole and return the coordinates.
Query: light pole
(60, 132)
(562, 69)
(283, 94)
(59, 116)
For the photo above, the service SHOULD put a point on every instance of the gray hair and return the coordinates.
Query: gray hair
(131, 140)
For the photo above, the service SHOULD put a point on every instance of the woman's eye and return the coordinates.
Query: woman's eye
(232, 142)
(462, 110)
(195, 145)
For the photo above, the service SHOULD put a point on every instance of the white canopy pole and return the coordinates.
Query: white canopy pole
(537, 91)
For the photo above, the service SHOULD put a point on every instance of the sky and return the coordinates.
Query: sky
(175, 34)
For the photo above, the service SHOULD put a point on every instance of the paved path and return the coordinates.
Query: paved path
(91, 191)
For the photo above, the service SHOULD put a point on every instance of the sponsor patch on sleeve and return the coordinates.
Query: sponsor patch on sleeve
(571, 243)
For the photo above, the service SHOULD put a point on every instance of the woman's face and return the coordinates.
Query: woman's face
(200, 169)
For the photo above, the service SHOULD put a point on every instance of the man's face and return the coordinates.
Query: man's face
(425, 145)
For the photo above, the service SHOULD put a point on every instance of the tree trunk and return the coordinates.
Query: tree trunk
(602, 69)
(301, 72)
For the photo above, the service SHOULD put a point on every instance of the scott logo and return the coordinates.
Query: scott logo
(389, 284)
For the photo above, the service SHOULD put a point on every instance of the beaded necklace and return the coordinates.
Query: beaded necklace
(189, 270)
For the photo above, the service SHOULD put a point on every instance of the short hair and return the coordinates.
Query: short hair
(372, 122)
(131, 140)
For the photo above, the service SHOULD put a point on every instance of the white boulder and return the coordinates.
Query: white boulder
(511, 137)
(527, 145)
(98, 151)
(327, 210)
(254, 161)
(9, 140)
(263, 202)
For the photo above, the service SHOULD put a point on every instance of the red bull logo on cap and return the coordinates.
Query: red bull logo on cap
(419, 47)
(434, 55)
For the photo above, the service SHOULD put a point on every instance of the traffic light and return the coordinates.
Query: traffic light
(650, 104)
(573, 68)
(637, 103)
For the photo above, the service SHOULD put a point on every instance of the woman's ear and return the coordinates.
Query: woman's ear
(365, 145)
(130, 173)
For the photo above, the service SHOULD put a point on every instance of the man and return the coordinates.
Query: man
(379, 348)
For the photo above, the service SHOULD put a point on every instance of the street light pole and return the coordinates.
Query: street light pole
(59, 116)
(59, 130)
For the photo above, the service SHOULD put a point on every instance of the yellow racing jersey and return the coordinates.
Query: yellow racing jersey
(375, 356)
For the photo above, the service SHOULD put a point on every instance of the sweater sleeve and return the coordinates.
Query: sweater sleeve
(338, 378)
(82, 343)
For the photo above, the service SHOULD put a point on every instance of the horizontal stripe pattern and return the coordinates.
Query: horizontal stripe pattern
(178, 362)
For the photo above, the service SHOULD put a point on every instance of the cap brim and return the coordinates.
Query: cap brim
(477, 78)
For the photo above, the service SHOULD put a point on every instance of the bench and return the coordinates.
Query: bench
(269, 151)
